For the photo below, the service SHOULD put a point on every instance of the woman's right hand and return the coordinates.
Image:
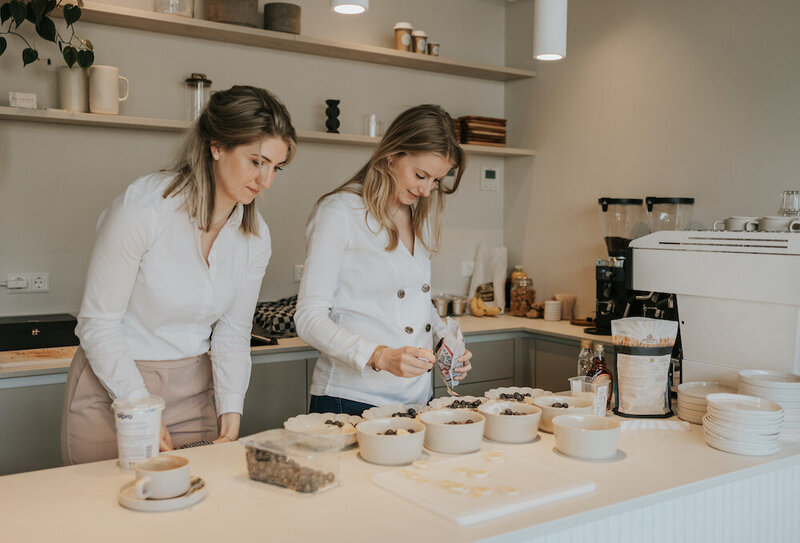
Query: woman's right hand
(406, 361)
(165, 442)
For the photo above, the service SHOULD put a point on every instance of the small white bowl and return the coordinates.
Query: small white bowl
(453, 438)
(389, 410)
(377, 448)
(586, 436)
(575, 406)
(314, 423)
(510, 428)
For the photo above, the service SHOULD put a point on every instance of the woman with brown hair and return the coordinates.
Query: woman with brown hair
(175, 271)
(365, 296)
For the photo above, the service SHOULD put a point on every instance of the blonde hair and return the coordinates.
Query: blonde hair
(238, 116)
(421, 129)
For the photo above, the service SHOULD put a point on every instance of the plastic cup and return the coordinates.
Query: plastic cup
(138, 422)
(596, 391)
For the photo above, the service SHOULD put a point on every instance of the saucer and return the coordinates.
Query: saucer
(197, 491)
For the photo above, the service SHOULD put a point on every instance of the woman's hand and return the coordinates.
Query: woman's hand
(228, 427)
(461, 371)
(406, 361)
(165, 440)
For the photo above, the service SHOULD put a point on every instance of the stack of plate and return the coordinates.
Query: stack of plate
(741, 424)
(692, 399)
(781, 388)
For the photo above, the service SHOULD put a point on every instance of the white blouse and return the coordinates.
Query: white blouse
(354, 296)
(151, 296)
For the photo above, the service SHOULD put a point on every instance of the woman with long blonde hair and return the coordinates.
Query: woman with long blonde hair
(175, 272)
(365, 296)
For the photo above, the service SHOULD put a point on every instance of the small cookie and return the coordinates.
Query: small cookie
(495, 456)
(481, 491)
(347, 428)
(421, 464)
(479, 474)
(447, 484)
(462, 471)
(510, 490)
(458, 488)
(402, 432)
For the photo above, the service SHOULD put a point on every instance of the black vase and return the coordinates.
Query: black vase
(332, 111)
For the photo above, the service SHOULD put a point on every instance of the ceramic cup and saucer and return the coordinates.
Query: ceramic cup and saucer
(162, 483)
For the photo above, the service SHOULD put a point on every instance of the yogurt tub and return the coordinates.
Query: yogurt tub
(138, 422)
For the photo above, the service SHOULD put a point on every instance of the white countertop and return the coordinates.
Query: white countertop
(78, 503)
(18, 363)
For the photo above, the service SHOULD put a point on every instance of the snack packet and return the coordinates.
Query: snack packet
(450, 349)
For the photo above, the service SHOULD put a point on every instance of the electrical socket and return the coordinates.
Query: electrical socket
(40, 282)
(298, 272)
(17, 283)
(467, 268)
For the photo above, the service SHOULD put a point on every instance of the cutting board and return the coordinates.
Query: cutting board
(494, 489)
(37, 357)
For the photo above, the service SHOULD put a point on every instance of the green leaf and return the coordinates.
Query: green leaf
(70, 55)
(19, 11)
(71, 14)
(30, 15)
(5, 13)
(37, 6)
(47, 29)
(85, 59)
(2, 45)
(29, 55)
(51, 5)
(89, 45)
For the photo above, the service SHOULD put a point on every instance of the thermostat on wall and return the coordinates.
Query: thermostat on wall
(490, 179)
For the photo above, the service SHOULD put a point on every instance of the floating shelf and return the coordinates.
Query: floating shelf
(172, 125)
(199, 28)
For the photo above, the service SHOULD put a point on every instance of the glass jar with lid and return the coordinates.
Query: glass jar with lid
(198, 88)
(522, 296)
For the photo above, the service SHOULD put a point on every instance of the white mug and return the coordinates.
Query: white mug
(737, 224)
(73, 89)
(778, 224)
(104, 89)
(161, 477)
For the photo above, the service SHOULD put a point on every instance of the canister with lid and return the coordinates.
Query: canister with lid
(198, 87)
(402, 36)
(419, 41)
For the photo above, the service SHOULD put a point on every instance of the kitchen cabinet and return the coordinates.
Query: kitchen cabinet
(277, 391)
(556, 360)
(30, 419)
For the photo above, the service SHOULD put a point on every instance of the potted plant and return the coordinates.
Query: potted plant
(14, 13)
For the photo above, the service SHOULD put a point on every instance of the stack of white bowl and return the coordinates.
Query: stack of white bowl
(781, 388)
(552, 310)
(741, 424)
(692, 399)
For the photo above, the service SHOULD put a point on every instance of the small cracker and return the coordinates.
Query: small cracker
(510, 490)
(462, 471)
(458, 488)
(479, 474)
(481, 491)
(495, 456)
(420, 464)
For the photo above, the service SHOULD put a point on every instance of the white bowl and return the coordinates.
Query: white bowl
(453, 438)
(314, 423)
(390, 450)
(575, 406)
(446, 401)
(586, 436)
(390, 410)
(510, 428)
(698, 390)
(495, 393)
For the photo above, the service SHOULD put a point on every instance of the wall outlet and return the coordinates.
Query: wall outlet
(467, 267)
(17, 283)
(298, 272)
(40, 282)
(490, 179)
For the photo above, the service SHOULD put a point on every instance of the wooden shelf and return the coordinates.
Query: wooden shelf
(172, 125)
(198, 28)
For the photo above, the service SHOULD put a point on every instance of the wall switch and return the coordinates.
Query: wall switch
(17, 282)
(40, 282)
(298, 272)
(490, 179)
(467, 267)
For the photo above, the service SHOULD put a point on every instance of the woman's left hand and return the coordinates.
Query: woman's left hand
(228, 427)
(461, 372)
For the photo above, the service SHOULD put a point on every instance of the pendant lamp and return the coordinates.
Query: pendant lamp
(350, 7)
(549, 29)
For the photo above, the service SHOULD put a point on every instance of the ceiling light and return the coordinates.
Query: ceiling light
(350, 7)
(549, 29)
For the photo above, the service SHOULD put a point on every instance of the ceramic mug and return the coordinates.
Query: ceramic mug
(161, 477)
(73, 89)
(778, 224)
(737, 224)
(104, 89)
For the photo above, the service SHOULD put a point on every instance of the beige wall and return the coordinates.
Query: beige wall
(663, 98)
(56, 179)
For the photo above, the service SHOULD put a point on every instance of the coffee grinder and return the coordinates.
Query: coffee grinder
(622, 222)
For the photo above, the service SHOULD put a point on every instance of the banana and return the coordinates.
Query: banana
(492, 311)
(485, 309)
(474, 308)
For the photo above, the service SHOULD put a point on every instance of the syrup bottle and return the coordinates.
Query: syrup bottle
(599, 371)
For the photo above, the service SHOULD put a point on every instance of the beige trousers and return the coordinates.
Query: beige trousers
(87, 422)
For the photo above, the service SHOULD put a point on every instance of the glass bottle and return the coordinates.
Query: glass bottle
(600, 372)
(518, 273)
(197, 97)
(585, 357)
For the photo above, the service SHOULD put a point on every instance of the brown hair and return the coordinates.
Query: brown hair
(422, 129)
(237, 116)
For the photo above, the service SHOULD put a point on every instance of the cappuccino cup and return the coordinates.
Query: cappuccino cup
(778, 224)
(104, 95)
(162, 477)
(737, 224)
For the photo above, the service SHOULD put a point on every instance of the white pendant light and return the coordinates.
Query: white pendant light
(549, 29)
(350, 7)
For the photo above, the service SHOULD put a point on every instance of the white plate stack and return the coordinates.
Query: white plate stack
(692, 399)
(781, 388)
(741, 424)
